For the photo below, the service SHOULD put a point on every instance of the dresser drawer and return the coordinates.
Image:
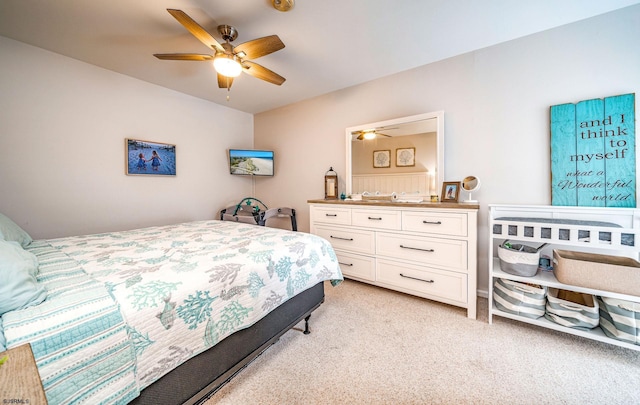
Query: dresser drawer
(423, 249)
(339, 216)
(419, 280)
(444, 223)
(353, 240)
(389, 220)
(357, 266)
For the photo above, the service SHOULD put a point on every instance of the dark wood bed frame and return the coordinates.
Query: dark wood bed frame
(199, 378)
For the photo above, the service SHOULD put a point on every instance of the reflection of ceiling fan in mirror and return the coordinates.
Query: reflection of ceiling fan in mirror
(229, 61)
(369, 133)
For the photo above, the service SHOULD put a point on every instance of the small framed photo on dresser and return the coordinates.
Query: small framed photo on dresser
(450, 191)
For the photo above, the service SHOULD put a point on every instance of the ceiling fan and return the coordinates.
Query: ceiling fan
(228, 60)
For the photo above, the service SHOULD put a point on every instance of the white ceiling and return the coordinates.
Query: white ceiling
(330, 44)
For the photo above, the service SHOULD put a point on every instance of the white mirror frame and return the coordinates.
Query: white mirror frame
(439, 142)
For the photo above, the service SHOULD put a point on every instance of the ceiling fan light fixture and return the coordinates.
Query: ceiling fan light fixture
(227, 65)
(283, 5)
(369, 135)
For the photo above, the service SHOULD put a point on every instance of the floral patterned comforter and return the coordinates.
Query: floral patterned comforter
(183, 288)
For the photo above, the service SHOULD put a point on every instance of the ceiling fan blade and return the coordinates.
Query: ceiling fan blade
(183, 56)
(259, 47)
(224, 82)
(195, 29)
(262, 72)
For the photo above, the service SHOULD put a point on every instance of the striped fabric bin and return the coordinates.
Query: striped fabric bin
(620, 319)
(572, 309)
(519, 298)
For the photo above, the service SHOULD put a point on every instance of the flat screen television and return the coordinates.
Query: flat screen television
(251, 162)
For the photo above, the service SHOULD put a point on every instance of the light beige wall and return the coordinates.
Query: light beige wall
(62, 130)
(496, 103)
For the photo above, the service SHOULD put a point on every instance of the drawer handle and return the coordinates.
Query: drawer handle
(414, 248)
(336, 237)
(346, 264)
(331, 215)
(419, 279)
(432, 222)
(374, 218)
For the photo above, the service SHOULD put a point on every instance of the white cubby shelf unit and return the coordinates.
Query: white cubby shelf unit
(610, 231)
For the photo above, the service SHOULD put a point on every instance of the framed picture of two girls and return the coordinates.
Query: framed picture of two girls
(150, 158)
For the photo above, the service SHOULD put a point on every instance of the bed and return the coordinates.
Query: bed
(163, 314)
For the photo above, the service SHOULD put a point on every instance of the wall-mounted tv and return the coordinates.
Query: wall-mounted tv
(251, 162)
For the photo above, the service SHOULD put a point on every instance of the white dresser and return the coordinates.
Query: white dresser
(426, 249)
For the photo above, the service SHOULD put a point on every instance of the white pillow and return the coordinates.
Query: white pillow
(18, 286)
(10, 231)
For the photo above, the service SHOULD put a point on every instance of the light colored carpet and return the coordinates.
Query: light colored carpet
(374, 346)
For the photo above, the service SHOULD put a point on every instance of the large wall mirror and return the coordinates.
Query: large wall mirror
(402, 155)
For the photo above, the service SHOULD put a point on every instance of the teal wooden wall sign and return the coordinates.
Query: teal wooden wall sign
(593, 153)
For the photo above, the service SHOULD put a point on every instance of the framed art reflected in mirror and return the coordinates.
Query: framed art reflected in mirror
(405, 157)
(381, 158)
